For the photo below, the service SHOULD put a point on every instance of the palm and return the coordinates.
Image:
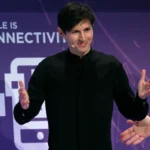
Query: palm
(137, 133)
(140, 130)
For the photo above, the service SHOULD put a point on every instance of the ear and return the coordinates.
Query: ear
(61, 32)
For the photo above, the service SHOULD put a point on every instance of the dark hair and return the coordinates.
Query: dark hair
(73, 13)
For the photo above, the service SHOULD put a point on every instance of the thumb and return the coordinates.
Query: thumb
(143, 74)
(21, 84)
(130, 122)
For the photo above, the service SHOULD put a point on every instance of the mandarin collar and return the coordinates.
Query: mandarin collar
(74, 57)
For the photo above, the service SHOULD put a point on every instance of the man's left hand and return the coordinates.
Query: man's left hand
(137, 133)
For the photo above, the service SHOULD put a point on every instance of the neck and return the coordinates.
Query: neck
(80, 54)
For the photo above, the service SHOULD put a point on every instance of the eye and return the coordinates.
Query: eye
(87, 29)
(75, 31)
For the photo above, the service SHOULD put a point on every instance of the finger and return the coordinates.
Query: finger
(138, 141)
(148, 81)
(143, 75)
(130, 122)
(146, 93)
(25, 106)
(133, 139)
(128, 131)
(26, 102)
(20, 90)
(148, 84)
(128, 136)
(23, 97)
(22, 93)
(21, 84)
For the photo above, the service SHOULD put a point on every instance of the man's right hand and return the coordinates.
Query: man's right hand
(23, 96)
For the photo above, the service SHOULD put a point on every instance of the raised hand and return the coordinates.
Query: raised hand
(23, 96)
(143, 86)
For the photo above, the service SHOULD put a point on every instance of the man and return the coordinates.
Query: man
(79, 86)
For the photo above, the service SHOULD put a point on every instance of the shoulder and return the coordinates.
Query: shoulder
(104, 58)
(54, 59)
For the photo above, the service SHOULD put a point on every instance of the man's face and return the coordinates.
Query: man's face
(79, 39)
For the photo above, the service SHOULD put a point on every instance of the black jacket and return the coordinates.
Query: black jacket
(79, 95)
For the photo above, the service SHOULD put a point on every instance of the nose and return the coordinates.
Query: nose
(82, 37)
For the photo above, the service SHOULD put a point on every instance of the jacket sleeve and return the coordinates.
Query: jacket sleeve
(128, 103)
(36, 92)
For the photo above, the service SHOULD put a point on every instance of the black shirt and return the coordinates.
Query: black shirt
(79, 95)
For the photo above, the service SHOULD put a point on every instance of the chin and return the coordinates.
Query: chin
(83, 50)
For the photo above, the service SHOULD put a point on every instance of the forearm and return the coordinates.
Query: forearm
(23, 116)
(19, 114)
(135, 109)
(129, 104)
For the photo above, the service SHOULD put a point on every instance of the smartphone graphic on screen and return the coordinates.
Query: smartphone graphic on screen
(34, 134)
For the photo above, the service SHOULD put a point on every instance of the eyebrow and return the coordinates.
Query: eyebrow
(79, 30)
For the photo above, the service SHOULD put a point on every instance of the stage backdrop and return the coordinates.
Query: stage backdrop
(27, 38)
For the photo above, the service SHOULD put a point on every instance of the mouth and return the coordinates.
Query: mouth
(82, 44)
